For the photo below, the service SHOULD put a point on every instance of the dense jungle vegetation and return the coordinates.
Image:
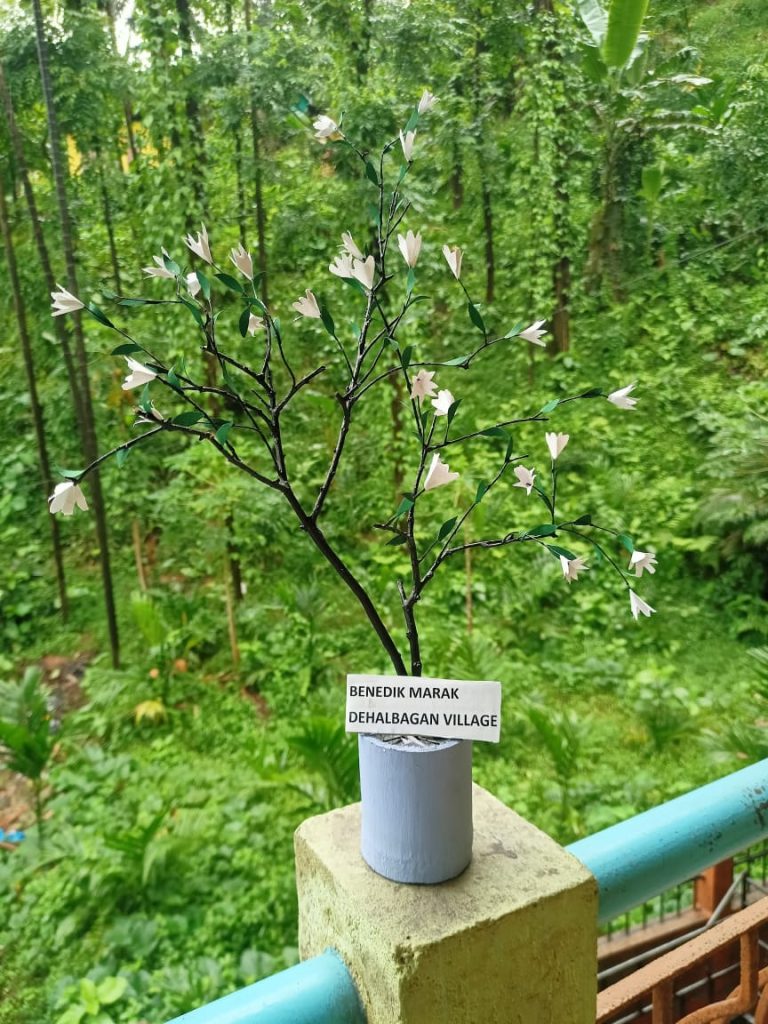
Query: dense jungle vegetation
(624, 207)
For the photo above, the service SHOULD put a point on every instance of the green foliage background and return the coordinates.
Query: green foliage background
(168, 859)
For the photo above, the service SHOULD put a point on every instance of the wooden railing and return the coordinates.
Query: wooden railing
(661, 992)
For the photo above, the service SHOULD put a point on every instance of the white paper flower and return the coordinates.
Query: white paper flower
(407, 141)
(410, 247)
(193, 284)
(199, 246)
(139, 375)
(453, 256)
(158, 271)
(640, 560)
(572, 567)
(307, 305)
(534, 333)
(352, 248)
(363, 271)
(242, 260)
(65, 497)
(439, 474)
(427, 101)
(638, 606)
(443, 402)
(325, 128)
(255, 323)
(64, 302)
(423, 386)
(342, 265)
(556, 443)
(621, 397)
(525, 478)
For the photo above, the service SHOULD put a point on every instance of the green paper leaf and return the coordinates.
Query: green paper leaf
(69, 474)
(193, 310)
(495, 432)
(475, 317)
(370, 173)
(557, 552)
(482, 490)
(222, 433)
(545, 530)
(446, 528)
(121, 455)
(140, 302)
(452, 410)
(458, 361)
(97, 314)
(400, 538)
(412, 121)
(405, 356)
(173, 380)
(540, 490)
(550, 406)
(327, 320)
(410, 281)
(592, 393)
(513, 333)
(145, 400)
(627, 542)
(243, 322)
(585, 520)
(205, 285)
(125, 350)
(405, 506)
(403, 172)
(172, 266)
(187, 419)
(231, 282)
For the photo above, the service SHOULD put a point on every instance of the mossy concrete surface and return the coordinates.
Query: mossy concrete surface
(510, 941)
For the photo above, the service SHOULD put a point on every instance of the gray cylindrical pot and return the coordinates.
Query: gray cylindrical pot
(417, 809)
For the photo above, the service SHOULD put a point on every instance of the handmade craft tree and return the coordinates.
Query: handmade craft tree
(252, 439)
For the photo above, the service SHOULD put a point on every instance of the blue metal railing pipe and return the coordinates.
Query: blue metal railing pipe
(640, 857)
(317, 991)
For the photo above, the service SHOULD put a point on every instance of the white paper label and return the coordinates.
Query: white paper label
(418, 706)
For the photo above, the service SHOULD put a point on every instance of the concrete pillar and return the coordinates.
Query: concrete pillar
(510, 941)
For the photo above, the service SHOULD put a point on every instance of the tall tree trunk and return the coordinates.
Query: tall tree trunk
(490, 260)
(457, 180)
(261, 217)
(561, 318)
(242, 220)
(126, 103)
(42, 249)
(87, 424)
(362, 46)
(485, 190)
(233, 559)
(34, 400)
(192, 110)
(108, 223)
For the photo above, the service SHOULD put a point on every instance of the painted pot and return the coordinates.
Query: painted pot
(416, 809)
